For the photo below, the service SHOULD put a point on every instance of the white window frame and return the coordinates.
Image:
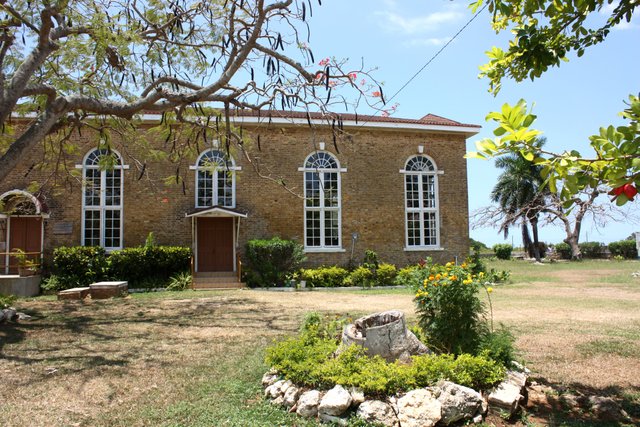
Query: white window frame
(421, 209)
(232, 168)
(102, 207)
(322, 209)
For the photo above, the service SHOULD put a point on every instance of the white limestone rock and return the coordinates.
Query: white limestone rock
(357, 396)
(275, 390)
(335, 402)
(332, 419)
(308, 404)
(419, 408)
(517, 378)
(458, 402)
(269, 378)
(291, 396)
(376, 411)
(506, 396)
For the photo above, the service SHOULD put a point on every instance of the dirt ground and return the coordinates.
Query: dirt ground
(80, 363)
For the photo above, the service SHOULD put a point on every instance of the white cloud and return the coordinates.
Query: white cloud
(431, 41)
(410, 24)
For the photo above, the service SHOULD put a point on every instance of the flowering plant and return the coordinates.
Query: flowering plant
(449, 307)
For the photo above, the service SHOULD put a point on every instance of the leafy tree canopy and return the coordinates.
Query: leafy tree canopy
(72, 64)
(544, 33)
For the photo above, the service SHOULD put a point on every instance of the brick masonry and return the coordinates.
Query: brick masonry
(372, 191)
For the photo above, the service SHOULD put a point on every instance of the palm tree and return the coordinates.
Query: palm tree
(520, 195)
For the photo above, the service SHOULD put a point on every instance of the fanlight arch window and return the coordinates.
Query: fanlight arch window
(322, 205)
(215, 179)
(422, 217)
(102, 197)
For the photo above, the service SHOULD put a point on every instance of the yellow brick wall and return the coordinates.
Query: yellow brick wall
(372, 192)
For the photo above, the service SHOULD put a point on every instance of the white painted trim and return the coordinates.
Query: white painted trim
(437, 172)
(8, 248)
(195, 239)
(28, 195)
(421, 210)
(322, 209)
(102, 207)
(214, 184)
(423, 248)
(318, 250)
(214, 210)
(235, 263)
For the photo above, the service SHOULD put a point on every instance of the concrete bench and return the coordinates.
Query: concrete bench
(103, 290)
(74, 293)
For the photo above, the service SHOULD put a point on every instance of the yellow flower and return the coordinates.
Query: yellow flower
(481, 275)
(425, 282)
(464, 265)
(438, 276)
(454, 277)
(467, 282)
(449, 264)
(489, 289)
(431, 278)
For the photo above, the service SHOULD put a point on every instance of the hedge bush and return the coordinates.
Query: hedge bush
(269, 262)
(142, 267)
(592, 249)
(79, 265)
(308, 360)
(386, 274)
(361, 276)
(624, 248)
(149, 266)
(503, 250)
(563, 249)
(324, 277)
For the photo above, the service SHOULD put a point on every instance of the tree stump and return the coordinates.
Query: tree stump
(384, 334)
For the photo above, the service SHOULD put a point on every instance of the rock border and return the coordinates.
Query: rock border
(442, 404)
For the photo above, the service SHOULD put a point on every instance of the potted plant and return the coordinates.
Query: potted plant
(26, 266)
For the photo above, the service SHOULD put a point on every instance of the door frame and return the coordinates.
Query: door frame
(7, 257)
(234, 244)
(216, 211)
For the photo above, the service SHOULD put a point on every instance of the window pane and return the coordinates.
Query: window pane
(412, 191)
(429, 223)
(112, 187)
(413, 229)
(225, 189)
(312, 189)
(205, 189)
(112, 228)
(91, 228)
(331, 229)
(428, 191)
(313, 228)
(92, 187)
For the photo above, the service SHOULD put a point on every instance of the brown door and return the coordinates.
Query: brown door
(215, 244)
(25, 233)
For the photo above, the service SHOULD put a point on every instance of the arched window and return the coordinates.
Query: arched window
(421, 203)
(102, 199)
(215, 180)
(322, 226)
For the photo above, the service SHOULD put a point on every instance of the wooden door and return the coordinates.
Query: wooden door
(215, 244)
(24, 233)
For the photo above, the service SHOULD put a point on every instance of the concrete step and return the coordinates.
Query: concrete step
(218, 285)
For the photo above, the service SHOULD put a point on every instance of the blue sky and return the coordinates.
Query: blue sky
(399, 37)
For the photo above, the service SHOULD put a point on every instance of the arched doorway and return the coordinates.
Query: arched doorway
(21, 228)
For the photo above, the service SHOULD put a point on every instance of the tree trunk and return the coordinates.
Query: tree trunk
(572, 241)
(536, 244)
(526, 238)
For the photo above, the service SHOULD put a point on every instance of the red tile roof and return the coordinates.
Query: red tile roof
(429, 119)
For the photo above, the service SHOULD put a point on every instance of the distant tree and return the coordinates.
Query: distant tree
(473, 243)
(519, 192)
(544, 33)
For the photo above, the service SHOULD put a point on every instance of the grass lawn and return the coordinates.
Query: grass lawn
(195, 358)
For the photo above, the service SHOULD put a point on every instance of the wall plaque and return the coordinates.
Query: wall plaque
(62, 227)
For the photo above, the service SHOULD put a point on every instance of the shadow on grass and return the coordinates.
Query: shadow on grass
(79, 335)
(569, 405)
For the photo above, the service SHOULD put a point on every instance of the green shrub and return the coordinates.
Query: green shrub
(7, 301)
(324, 277)
(361, 276)
(79, 265)
(624, 248)
(449, 308)
(563, 249)
(592, 249)
(180, 281)
(315, 325)
(269, 262)
(149, 266)
(386, 274)
(309, 361)
(503, 250)
(499, 346)
(404, 275)
(474, 262)
(52, 284)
